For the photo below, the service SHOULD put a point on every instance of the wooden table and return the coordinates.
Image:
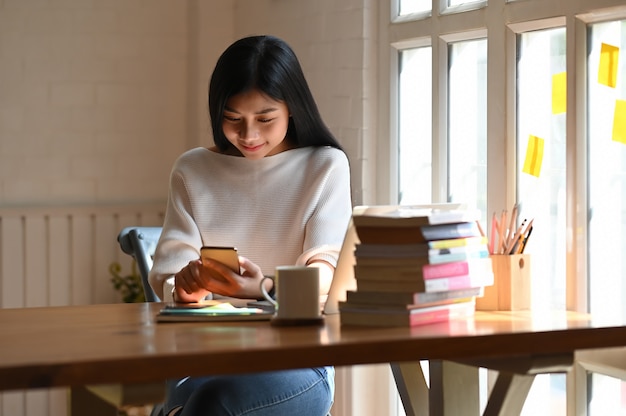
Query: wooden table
(99, 344)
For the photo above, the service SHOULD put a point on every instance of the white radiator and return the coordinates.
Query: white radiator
(61, 256)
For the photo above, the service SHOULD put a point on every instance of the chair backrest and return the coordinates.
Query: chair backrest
(140, 243)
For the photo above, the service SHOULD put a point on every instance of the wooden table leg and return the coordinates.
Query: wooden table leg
(412, 387)
(454, 389)
(509, 394)
(83, 402)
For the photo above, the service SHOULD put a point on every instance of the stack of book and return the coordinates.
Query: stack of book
(415, 266)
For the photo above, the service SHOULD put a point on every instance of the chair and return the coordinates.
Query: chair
(140, 243)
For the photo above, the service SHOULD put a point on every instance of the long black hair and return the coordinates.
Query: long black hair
(268, 64)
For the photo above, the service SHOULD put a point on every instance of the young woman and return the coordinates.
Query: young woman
(276, 185)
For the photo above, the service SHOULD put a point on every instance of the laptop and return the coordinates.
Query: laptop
(343, 278)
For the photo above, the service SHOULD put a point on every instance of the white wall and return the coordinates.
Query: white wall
(92, 99)
(98, 97)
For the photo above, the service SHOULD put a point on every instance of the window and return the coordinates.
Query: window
(527, 105)
(415, 131)
(461, 2)
(607, 396)
(407, 7)
(606, 112)
(606, 83)
(467, 128)
(541, 99)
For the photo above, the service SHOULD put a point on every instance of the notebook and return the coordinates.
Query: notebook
(211, 311)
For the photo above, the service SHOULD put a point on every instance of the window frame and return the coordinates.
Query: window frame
(443, 26)
(457, 24)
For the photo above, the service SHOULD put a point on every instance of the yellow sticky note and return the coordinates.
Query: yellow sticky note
(609, 58)
(619, 122)
(559, 93)
(534, 156)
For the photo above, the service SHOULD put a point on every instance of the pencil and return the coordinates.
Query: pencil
(503, 237)
(497, 247)
(509, 247)
(519, 242)
(526, 239)
(512, 224)
(526, 234)
(480, 228)
(494, 227)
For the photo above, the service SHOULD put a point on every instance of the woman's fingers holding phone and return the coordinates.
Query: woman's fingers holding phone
(188, 277)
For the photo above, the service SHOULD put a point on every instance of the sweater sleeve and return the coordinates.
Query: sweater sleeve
(326, 228)
(180, 240)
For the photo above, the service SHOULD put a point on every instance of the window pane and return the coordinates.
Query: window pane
(607, 193)
(459, 2)
(467, 133)
(547, 396)
(608, 396)
(414, 6)
(415, 126)
(607, 169)
(541, 99)
(541, 159)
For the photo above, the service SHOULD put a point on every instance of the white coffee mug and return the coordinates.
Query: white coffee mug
(297, 294)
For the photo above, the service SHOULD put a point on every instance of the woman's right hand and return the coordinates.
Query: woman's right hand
(189, 284)
(225, 282)
(196, 280)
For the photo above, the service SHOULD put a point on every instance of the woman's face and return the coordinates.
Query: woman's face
(256, 124)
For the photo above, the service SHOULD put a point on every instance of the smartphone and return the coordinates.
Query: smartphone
(225, 255)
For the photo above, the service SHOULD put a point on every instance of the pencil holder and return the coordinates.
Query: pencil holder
(511, 287)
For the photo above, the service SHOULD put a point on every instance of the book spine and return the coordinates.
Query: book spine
(444, 314)
(391, 251)
(395, 307)
(415, 285)
(388, 273)
(472, 249)
(402, 298)
(405, 262)
(389, 235)
(450, 231)
(448, 258)
(458, 282)
(429, 317)
(424, 297)
(430, 285)
(436, 271)
(457, 242)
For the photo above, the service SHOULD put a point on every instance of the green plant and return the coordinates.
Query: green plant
(130, 285)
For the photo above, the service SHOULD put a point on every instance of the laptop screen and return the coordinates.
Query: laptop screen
(343, 277)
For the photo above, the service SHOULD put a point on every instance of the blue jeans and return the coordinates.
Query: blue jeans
(303, 392)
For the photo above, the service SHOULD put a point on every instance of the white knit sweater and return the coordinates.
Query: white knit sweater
(280, 210)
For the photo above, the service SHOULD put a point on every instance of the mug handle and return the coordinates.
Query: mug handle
(264, 292)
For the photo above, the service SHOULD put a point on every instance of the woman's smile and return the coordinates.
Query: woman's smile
(256, 124)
